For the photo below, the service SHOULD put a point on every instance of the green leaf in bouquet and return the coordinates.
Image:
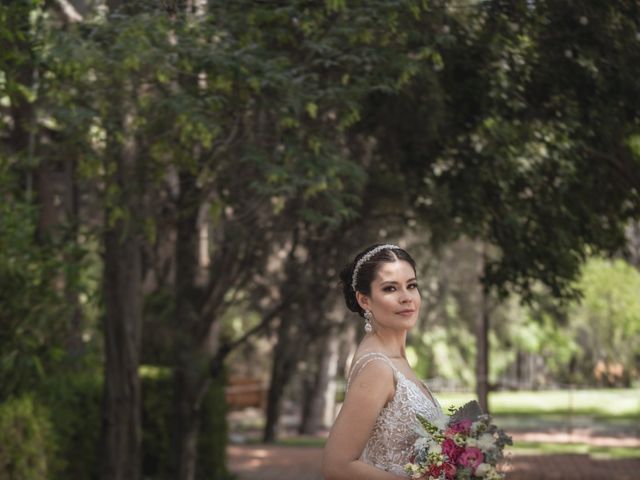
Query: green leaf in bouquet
(426, 424)
(469, 411)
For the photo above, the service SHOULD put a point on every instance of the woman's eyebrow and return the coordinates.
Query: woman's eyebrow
(393, 282)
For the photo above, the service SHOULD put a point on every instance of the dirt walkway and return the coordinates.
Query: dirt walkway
(262, 462)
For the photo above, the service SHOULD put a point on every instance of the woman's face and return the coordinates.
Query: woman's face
(395, 298)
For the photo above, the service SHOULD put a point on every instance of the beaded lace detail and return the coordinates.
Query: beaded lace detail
(393, 435)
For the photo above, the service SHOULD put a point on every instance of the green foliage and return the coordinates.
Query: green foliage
(539, 330)
(75, 428)
(606, 322)
(212, 445)
(19, 23)
(598, 332)
(157, 413)
(258, 92)
(26, 444)
(156, 417)
(33, 309)
(75, 399)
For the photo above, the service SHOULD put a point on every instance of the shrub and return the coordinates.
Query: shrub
(75, 401)
(157, 409)
(26, 444)
(212, 447)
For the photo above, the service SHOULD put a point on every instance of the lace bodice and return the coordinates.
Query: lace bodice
(393, 435)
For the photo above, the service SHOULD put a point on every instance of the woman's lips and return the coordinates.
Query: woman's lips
(406, 313)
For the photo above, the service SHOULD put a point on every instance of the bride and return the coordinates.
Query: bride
(373, 435)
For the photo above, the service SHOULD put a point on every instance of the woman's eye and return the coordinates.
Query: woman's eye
(392, 289)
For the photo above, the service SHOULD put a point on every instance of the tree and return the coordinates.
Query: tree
(40, 255)
(606, 322)
(121, 417)
(528, 137)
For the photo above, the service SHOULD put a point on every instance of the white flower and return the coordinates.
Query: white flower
(492, 474)
(475, 426)
(472, 442)
(483, 469)
(487, 471)
(411, 468)
(486, 442)
(421, 443)
(432, 444)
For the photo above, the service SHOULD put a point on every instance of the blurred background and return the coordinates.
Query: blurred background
(181, 182)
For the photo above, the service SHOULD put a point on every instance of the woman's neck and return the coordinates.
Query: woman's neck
(392, 345)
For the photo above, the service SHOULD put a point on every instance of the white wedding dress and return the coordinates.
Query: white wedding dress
(393, 435)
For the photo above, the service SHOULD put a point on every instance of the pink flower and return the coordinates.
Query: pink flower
(463, 426)
(471, 457)
(450, 449)
(449, 471)
(435, 470)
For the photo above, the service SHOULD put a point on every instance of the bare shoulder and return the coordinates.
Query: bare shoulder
(373, 378)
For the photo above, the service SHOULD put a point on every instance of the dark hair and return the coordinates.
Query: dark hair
(367, 272)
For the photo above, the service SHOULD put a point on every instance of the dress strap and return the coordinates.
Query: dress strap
(365, 360)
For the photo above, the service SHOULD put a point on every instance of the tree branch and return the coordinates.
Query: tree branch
(227, 347)
(67, 10)
(628, 176)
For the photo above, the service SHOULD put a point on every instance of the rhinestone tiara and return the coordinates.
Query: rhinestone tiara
(365, 258)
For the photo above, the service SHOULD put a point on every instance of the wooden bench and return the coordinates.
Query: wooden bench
(243, 392)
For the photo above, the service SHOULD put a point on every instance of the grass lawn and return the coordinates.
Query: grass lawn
(606, 403)
(520, 448)
(548, 448)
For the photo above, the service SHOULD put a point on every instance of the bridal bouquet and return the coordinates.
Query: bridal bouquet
(457, 447)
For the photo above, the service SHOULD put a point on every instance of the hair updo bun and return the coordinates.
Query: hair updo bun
(367, 272)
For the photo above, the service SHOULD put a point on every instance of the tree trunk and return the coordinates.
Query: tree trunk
(482, 340)
(121, 407)
(320, 398)
(188, 401)
(276, 385)
(74, 344)
(632, 253)
(121, 417)
(56, 193)
(191, 375)
(330, 387)
(285, 360)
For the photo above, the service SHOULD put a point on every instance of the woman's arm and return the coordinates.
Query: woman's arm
(368, 393)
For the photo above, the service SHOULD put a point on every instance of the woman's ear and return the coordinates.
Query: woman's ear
(363, 300)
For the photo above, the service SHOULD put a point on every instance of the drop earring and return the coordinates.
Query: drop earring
(368, 316)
